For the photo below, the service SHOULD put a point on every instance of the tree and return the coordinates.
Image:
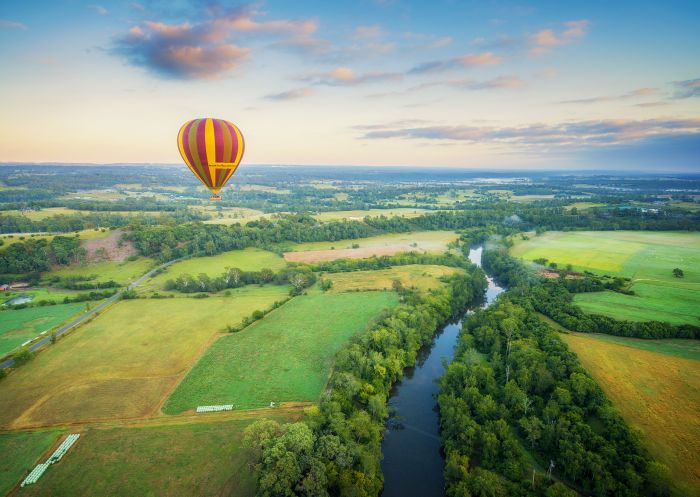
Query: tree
(678, 272)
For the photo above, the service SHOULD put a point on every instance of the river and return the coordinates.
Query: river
(413, 463)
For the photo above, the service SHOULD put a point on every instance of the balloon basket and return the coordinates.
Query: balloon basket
(215, 197)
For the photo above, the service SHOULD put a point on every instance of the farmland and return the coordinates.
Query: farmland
(648, 258)
(286, 356)
(419, 241)
(123, 363)
(658, 393)
(355, 215)
(250, 259)
(18, 326)
(25, 447)
(198, 458)
(122, 272)
(423, 277)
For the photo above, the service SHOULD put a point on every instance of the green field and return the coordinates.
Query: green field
(286, 356)
(648, 258)
(18, 326)
(38, 294)
(359, 215)
(250, 259)
(204, 459)
(678, 347)
(435, 241)
(20, 452)
(124, 362)
(121, 272)
(423, 277)
(657, 393)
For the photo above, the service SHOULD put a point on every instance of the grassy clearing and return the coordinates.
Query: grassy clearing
(286, 356)
(121, 272)
(582, 205)
(423, 277)
(646, 257)
(21, 452)
(38, 215)
(18, 326)
(124, 362)
(656, 393)
(37, 294)
(250, 259)
(359, 215)
(229, 215)
(203, 459)
(419, 241)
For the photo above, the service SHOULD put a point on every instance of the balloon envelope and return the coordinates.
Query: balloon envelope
(212, 149)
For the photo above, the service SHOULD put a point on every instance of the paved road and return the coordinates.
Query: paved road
(89, 313)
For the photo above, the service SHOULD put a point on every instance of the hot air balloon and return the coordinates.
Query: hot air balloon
(212, 149)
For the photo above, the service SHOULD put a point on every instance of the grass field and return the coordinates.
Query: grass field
(656, 393)
(423, 277)
(121, 272)
(123, 363)
(20, 453)
(250, 259)
(38, 215)
(583, 205)
(286, 356)
(419, 241)
(18, 326)
(646, 257)
(205, 459)
(359, 215)
(40, 293)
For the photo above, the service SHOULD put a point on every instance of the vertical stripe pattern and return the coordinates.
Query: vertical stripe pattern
(212, 149)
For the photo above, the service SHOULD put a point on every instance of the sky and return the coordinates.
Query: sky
(481, 84)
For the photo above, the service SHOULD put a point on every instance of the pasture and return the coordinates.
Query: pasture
(122, 272)
(658, 393)
(123, 363)
(423, 277)
(359, 215)
(389, 244)
(18, 326)
(25, 448)
(648, 258)
(177, 460)
(286, 356)
(40, 293)
(250, 259)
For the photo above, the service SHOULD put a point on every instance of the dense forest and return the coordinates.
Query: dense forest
(520, 416)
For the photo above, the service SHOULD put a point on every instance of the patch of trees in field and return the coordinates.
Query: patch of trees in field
(515, 397)
(35, 255)
(299, 277)
(337, 449)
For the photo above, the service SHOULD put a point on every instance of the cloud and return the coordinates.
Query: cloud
(99, 9)
(204, 50)
(687, 89)
(344, 76)
(567, 134)
(5, 24)
(294, 94)
(468, 60)
(641, 92)
(365, 32)
(544, 40)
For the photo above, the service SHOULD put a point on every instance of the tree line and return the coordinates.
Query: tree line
(336, 450)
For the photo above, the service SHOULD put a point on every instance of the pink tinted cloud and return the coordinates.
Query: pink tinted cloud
(544, 40)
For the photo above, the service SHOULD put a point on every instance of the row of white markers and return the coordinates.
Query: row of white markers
(55, 457)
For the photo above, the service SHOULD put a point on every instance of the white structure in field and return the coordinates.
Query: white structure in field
(55, 457)
(226, 407)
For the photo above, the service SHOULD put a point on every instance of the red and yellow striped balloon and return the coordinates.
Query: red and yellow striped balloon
(212, 149)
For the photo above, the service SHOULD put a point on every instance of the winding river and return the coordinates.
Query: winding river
(413, 463)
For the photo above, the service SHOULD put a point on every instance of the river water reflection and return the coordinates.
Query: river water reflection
(413, 463)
